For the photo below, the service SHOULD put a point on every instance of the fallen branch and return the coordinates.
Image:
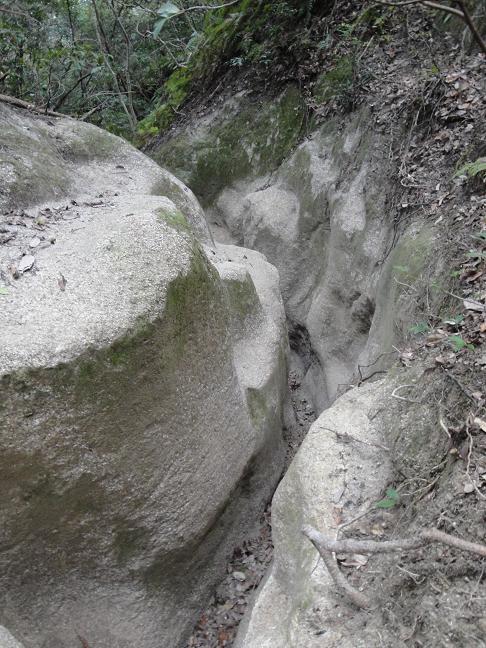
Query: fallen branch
(19, 103)
(327, 547)
(426, 3)
(345, 437)
(402, 398)
(472, 26)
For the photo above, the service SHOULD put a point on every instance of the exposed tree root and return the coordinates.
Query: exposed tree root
(327, 547)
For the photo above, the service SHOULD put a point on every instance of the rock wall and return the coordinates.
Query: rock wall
(351, 454)
(139, 428)
(324, 218)
(351, 276)
(240, 138)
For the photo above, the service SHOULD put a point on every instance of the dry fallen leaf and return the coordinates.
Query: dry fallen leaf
(62, 281)
(480, 423)
(354, 560)
(26, 263)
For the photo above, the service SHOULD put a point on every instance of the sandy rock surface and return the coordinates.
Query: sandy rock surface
(143, 381)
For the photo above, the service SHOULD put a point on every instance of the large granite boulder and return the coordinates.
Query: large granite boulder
(336, 476)
(338, 483)
(7, 640)
(139, 427)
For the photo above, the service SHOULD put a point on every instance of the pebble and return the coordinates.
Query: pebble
(239, 576)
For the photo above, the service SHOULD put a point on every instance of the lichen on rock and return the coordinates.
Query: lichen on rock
(244, 139)
(125, 353)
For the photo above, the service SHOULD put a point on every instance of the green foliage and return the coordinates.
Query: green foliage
(472, 169)
(130, 66)
(115, 60)
(338, 80)
(458, 343)
(175, 91)
(390, 501)
(421, 327)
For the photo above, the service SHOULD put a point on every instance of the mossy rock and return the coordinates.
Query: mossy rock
(87, 143)
(175, 219)
(245, 139)
(335, 82)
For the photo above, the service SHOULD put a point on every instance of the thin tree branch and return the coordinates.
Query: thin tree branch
(200, 8)
(359, 599)
(19, 103)
(17, 12)
(462, 13)
(427, 3)
(441, 7)
(63, 97)
(132, 119)
(206, 7)
(470, 23)
(326, 547)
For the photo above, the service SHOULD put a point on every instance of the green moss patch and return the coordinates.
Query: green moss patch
(336, 81)
(243, 298)
(174, 92)
(175, 219)
(247, 142)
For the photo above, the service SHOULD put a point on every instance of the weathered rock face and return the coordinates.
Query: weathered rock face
(336, 478)
(139, 426)
(296, 605)
(242, 138)
(7, 640)
(323, 220)
(350, 277)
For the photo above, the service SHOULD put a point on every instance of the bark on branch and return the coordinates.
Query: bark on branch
(327, 547)
(13, 101)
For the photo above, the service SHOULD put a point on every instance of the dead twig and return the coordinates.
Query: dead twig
(83, 641)
(462, 13)
(345, 437)
(402, 398)
(359, 599)
(326, 547)
(361, 378)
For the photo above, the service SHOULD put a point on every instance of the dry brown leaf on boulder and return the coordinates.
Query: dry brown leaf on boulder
(480, 423)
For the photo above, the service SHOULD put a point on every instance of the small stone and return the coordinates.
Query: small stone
(468, 488)
(34, 242)
(240, 576)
